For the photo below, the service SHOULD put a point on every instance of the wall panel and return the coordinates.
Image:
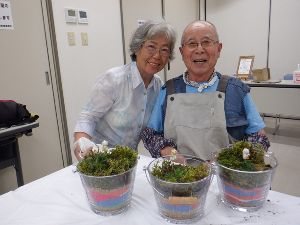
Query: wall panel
(177, 12)
(284, 37)
(180, 13)
(243, 30)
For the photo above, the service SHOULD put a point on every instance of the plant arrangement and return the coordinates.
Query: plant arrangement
(108, 176)
(180, 189)
(179, 173)
(106, 162)
(233, 157)
(244, 172)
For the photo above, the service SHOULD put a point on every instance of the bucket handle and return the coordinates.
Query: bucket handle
(146, 173)
(213, 163)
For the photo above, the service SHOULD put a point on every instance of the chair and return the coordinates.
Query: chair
(9, 147)
(10, 156)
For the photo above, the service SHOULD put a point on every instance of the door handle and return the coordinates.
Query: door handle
(47, 78)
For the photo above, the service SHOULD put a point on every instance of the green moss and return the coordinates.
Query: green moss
(108, 163)
(179, 173)
(232, 157)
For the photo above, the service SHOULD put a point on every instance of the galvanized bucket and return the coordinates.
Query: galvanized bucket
(109, 195)
(180, 202)
(243, 190)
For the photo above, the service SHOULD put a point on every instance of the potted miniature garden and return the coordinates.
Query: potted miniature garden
(180, 189)
(244, 172)
(108, 176)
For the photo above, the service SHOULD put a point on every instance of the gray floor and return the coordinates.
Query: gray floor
(285, 144)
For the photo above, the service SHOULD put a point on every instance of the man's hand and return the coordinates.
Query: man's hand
(175, 156)
(262, 132)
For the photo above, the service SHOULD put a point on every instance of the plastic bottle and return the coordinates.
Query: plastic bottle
(296, 75)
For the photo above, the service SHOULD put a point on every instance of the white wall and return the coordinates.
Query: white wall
(79, 65)
(284, 37)
(243, 30)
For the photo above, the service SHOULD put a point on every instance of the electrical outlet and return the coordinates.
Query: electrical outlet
(84, 39)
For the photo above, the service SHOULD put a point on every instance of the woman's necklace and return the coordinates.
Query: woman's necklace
(200, 86)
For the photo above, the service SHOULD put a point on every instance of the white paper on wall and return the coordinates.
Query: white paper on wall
(6, 20)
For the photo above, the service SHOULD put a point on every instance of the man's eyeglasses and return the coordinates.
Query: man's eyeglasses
(192, 45)
(152, 49)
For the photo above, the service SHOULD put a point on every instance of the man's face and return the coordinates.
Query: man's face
(200, 60)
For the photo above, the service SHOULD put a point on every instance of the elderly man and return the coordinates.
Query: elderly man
(201, 111)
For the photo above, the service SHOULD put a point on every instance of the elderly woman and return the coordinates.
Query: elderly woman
(122, 98)
(200, 111)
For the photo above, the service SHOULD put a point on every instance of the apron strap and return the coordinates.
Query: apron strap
(170, 87)
(223, 83)
(175, 85)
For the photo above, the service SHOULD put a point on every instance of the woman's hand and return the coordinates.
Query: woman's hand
(82, 145)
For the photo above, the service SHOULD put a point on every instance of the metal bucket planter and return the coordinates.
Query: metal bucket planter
(243, 190)
(180, 202)
(109, 195)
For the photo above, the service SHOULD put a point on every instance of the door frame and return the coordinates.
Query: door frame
(55, 77)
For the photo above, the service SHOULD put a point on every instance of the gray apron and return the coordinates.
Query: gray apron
(196, 121)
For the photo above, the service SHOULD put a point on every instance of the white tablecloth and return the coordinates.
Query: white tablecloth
(59, 198)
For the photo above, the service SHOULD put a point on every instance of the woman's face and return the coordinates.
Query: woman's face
(153, 56)
(200, 60)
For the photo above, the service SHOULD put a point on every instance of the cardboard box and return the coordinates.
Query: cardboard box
(261, 74)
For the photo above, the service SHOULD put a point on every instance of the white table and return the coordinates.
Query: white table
(277, 100)
(280, 99)
(59, 199)
(273, 84)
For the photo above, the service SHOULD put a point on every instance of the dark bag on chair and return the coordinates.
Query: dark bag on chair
(13, 113)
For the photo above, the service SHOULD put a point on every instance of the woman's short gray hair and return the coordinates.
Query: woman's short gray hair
(148, 31)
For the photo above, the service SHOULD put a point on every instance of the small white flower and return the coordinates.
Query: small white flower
(104, 143)
(97, 148)
(101, 147)
(246, 153)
